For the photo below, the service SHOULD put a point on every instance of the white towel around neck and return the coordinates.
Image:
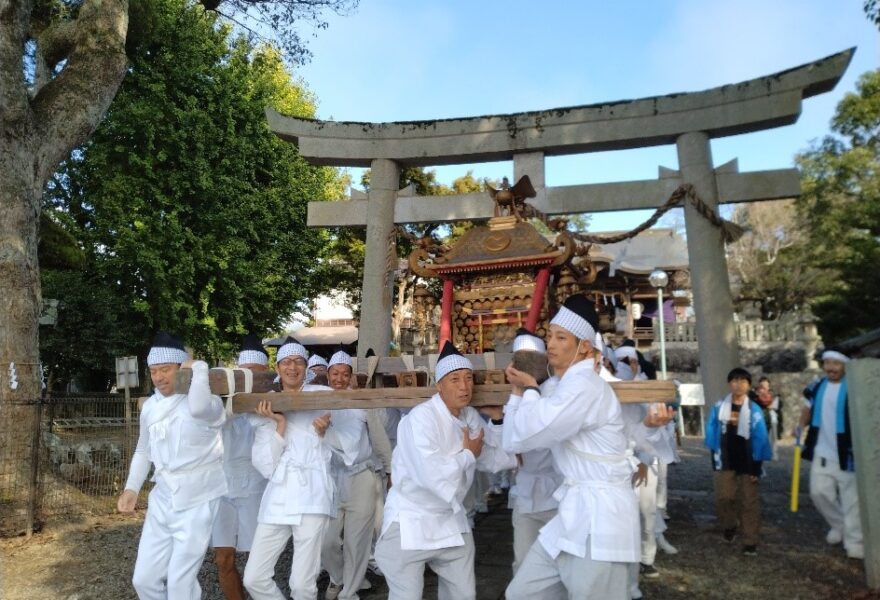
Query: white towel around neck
(743, 427)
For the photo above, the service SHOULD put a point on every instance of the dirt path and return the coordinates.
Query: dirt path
(93, 560)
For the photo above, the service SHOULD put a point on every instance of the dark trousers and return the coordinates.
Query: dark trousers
(736, 500)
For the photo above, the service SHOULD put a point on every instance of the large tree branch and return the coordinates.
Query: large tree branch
(14, 26)
(68, 109)
(53, 45)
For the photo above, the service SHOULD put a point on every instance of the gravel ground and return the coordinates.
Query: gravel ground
(93, 560)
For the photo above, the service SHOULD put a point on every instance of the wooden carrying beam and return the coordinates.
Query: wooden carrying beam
(399, 397)
(628, 392)
(262, 381)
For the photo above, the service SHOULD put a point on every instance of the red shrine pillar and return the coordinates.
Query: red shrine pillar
(446, 314)
(538, 298)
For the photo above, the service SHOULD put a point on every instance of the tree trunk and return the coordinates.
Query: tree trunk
(19, 314)
(36, 134)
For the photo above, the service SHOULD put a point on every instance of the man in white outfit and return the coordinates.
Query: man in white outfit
(180, 434)
(630, 371)
(584, 551)
(236, 519)
(439, 445)
(292, 450)
(649, 444)
(317, 364)
(358, 486)
(531, 496)
(829, 446)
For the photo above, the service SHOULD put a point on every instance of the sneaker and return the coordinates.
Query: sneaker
(750, 551)
(635, 593)
(664, 545)
(834, 537)
(332, 592)
(648, 571)
(729, 535)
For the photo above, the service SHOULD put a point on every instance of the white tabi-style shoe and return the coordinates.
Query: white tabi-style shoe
(856, 553)
(833, 537)
(664, 545)
(332, 592)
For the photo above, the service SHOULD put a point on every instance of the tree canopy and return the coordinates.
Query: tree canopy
(840, 213)
(191, 211)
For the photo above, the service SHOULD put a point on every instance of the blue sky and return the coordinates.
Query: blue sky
(394, 60)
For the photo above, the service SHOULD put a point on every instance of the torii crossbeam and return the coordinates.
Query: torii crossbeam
(688, 120)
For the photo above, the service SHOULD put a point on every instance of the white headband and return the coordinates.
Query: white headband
(316, 360)
(529, 342)
(835, 355)
(160, 356)
(291, 349)
(448, 364)
(576, 324)
(340, 358)
(252, 357)
(626, 352)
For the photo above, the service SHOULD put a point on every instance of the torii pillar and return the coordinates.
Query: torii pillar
(380, 259)
(687, 120)
(713, 305)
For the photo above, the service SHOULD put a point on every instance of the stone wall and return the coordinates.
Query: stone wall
(786, 365)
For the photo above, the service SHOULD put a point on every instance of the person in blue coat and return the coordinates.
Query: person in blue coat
(737, 437)
(829, 447)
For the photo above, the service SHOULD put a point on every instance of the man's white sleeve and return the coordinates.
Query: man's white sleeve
(140, 460)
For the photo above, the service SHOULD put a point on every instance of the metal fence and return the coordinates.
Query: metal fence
(71, 462)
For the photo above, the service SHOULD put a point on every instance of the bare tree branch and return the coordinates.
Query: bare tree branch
(276, 21)
(68, 109)
(53, 45)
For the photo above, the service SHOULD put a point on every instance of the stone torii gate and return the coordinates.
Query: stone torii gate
(688, 120)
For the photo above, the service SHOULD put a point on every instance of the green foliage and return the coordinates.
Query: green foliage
(58, 248)
(89, 332)
(872, 11)
(840, 211)
(194, 212)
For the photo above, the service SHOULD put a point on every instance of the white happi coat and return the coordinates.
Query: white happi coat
(581, 423)
(298, 464)
(242, 478)
(433, 473)
(181, 435)
(536, 478)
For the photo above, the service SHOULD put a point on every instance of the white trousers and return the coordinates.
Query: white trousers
(648, 516)
(172, 548)
(526, 527)
(836, 497)
(662, 494)
(346, 559)
(405, 569)
(269, 543)
(236, 522)
(568, 577)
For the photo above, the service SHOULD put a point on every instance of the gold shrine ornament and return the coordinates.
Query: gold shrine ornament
(496, 241)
